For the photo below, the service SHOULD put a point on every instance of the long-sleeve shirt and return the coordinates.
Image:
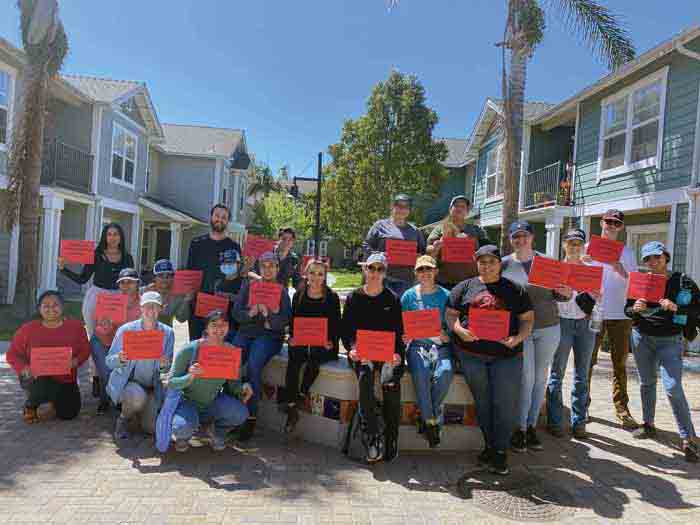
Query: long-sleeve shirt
(201, 391)
(452, 273)
(35, 335)
(105, 331)
(385, 229)
(365, 312)
(288, 269)
(174, 306)
(274, 324)
(103, 271)
(328, 307)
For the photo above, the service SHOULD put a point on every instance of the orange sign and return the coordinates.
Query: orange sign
(207, 303)
(187, 281)
(219, 362)
(112, 306)
(264, 292)
(143, 344)
(491, 325)
(421, 324)
(255, 246)
(458, 249)
(310, 331)
(50, 361)
(401, 253)
(81, 252)
(375, 345)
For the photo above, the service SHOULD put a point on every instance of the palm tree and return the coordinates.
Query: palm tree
(263, 181)
(46, 45)
(592, 23)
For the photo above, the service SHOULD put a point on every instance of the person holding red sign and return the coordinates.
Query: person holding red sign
(429, 360)
(289, 260)
(106, 329)
(219, 405)
(492, 369)
(374, 307)
(657, 336)
(51, 330)
(136, 385)
(455, 225)
(576, 335)
(398, 278)
(174, 306)
(315, 300)
(260, 334)
(617, 326)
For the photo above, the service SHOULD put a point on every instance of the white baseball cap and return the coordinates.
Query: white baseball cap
(151, 297)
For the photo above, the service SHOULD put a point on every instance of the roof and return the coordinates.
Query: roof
(103, 89)
(456, 152)
(168, 210)
(201, 140)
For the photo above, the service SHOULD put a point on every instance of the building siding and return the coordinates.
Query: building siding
(69, 124)
(680, 247)
(488, 211)
(548, 147)
(187, 183)
(454, 184)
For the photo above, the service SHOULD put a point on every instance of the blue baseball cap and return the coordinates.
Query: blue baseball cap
(163, 266)
(377, 258)
(519, 226)
(654, 248)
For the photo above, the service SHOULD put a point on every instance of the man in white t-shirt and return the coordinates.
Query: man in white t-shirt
(616, 324)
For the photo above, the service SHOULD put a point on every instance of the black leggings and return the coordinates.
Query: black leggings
(391, 405)
(314, 357)
(64, 396)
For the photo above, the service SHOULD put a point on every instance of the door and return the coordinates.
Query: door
(638, 236)
(162, 244)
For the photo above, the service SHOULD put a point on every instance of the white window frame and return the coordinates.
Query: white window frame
(116, 126)
(12, 75)
(628, 166)
(498, 151)
(347, 253)
(659, 228)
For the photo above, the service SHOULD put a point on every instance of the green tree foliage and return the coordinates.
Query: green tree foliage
(264, 181)
(278, 210)
(389, 149)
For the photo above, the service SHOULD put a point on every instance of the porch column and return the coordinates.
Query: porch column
(50, 241)
(135, 234)
(524, 166)
(175, 243)
(692, 263)
(90, 219)
(553, 227)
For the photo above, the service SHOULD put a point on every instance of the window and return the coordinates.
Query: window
(225, 198)
(494, 177)
(311, 243)
(631, 127)
(4, 106)
(347, 253)
(123, 156)
(241, 194)
(638, 236)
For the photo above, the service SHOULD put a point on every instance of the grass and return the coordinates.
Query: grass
(9, 323)
(347, 278)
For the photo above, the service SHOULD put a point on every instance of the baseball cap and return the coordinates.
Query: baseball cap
(654, 248)
(376, 258)
(615, 215)
(489, 249)
(575, 235)
(425, 260)
(402, 197)
(151, 297)
(163, 266)
(128, 274)
(268, 257)
(215, 315)
(519, 226)
(460, 198)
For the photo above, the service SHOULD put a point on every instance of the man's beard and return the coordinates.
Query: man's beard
(218, 227)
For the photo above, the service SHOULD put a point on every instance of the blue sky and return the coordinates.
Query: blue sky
(289, 73)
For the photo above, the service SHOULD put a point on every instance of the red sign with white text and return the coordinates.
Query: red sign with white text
(375, 345)
(401, 253)
(219, 362)
(491, 325)
(310, 331)
(207, 303)
(141, 345)
(112, 306)
(50, 361)
(187, 281)
(264, 292)
(605, 250)
(255, 246)
(648, 286)
(422, 324)
(458, 249)
(81, 252)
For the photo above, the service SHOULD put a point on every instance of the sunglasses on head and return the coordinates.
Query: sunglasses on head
(613, 222)
(376, 269)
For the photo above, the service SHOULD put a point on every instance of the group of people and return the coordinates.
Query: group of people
(509, 378)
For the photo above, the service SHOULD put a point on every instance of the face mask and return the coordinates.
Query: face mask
(229, 269)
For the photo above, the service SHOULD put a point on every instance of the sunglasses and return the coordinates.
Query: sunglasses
(376, 269)
(423, 269)
(613, 222)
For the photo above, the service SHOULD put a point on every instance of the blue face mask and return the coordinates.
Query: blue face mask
(229, 269)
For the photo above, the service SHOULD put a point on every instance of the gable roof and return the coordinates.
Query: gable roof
(205, 141)
(456, 152)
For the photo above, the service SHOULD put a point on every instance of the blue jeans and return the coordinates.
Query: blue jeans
(538, 352)
(257, 352)
(226, 412)
(99, 352)
(574, 334)
(495, 386)
(650, 354)
(431, 380)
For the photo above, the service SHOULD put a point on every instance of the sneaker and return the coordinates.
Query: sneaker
(30, 416)
(391, 448)
(555, 431)
(247, 429)
(102, 408)
(484, 459)
(499, 464)
(519, 441)
(181, 445)
(374, 450)
(646, 431)
(432, 434)
(96, 388)
(533, 441)
(627, 421)
(121, 429)
(292, 419)
(579, 431)
(690, 450)
(217, 442)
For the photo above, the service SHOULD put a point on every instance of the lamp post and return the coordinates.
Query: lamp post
(319, 183)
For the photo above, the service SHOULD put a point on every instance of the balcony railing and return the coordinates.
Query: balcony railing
(548, 186)
(66, 166)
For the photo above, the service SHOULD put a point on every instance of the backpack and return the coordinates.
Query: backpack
(356, 442)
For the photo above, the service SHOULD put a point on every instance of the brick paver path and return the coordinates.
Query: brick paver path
(72, 472)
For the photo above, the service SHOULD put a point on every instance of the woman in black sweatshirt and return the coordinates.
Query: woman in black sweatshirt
(374, 307)
(316, 300)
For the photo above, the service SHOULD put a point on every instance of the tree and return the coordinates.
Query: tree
(45, 44)
(263, 181)
(283, 175)
(278, 210)
(389, 149)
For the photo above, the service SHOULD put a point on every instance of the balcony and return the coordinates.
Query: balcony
(548, 186)
(67, 167)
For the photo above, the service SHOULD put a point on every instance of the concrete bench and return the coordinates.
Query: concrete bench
(328, 408)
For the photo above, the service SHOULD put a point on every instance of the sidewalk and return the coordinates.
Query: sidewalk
(72, 472)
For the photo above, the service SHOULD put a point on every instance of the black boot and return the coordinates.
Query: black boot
(247, 429)
(96, 387)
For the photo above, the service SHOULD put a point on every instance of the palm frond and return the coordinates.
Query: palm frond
(599, 28)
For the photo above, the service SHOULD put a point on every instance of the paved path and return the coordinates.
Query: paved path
(72, 472)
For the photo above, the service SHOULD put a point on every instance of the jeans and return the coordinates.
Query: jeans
(431, 380)
(64, 396)
(226, 412)
(99, 355)
(650, 354)
(538, 352)
(618, 332)
(140, 402)
(495, 386)
(257, 352)
(314, 357)
(575, 335)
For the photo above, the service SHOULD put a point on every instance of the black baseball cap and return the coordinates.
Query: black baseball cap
(489, 249)
(460, 198)
(575, 234)
(402, 197)
(615, 215)
(519, 226)
(128, 274)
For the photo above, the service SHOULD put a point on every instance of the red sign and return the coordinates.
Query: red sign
(491, 325)
(605, 250)
(111, 306)
(458, 249)
(264, 292)
(50, 361)
(81, 252)
(187, 281)
(546, 273)
(219, 362)
(648, 286)
(310, 331)
(207, 303)
(143, 344)
(305, 260)
(422, 324)
(401, 253)
(374, 345)
(255, 246)
(584, 278)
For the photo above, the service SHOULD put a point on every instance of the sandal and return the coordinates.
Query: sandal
(30, 416)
